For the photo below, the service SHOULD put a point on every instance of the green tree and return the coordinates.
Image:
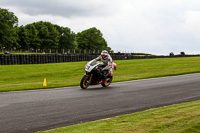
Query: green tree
(48, 35)
(28, 37)
(67, 38)
(23, 40)
(8, 29)
(32, 36)
(91, 39)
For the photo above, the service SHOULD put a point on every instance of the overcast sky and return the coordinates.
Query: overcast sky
(147, 26)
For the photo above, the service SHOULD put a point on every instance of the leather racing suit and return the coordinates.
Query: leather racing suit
(108, 63)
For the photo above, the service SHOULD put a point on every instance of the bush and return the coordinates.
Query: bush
(171, 54)
(182, 53)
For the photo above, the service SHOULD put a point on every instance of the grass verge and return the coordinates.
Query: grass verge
(26, 77)
(180, 118)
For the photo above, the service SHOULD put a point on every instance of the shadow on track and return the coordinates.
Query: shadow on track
(92, 88)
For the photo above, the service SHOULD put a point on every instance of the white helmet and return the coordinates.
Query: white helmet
(104, 54)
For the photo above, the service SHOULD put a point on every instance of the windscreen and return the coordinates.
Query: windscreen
(93, 63)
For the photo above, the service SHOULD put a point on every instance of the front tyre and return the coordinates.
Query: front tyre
(84, 82)
(107, 83)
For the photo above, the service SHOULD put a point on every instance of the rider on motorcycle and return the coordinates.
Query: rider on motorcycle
(107, 61)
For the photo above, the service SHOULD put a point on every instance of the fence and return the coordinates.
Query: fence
(50, 51)
(14, 59)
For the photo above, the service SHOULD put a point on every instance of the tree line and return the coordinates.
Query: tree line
(45, 35)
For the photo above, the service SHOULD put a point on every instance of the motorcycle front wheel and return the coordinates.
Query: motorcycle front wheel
(84, 84)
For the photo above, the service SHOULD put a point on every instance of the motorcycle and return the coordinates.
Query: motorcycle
(94, 74)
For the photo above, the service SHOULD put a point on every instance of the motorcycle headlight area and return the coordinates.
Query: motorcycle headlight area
(87, 67)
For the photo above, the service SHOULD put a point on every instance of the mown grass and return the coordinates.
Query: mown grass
(26, 77)
(180, 118)
(183, 118)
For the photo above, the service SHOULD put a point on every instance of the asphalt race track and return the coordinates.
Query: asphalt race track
(31, 111)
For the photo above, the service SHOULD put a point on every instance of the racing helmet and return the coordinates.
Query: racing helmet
(104, 54)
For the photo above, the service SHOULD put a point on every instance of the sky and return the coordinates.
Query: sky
(141, 26)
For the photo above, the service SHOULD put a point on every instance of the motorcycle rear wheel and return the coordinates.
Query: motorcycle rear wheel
(84, 84)
(106, 84)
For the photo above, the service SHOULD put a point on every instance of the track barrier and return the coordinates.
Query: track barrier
(17, 59)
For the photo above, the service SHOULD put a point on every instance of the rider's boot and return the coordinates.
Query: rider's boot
(105, 77)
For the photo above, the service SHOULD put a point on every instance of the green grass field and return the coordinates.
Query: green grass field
(180, 118)
(26, 77)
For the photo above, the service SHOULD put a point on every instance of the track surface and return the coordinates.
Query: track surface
(30, 111)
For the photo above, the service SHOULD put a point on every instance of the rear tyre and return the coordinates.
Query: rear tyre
(107, 83)
(84, 82)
